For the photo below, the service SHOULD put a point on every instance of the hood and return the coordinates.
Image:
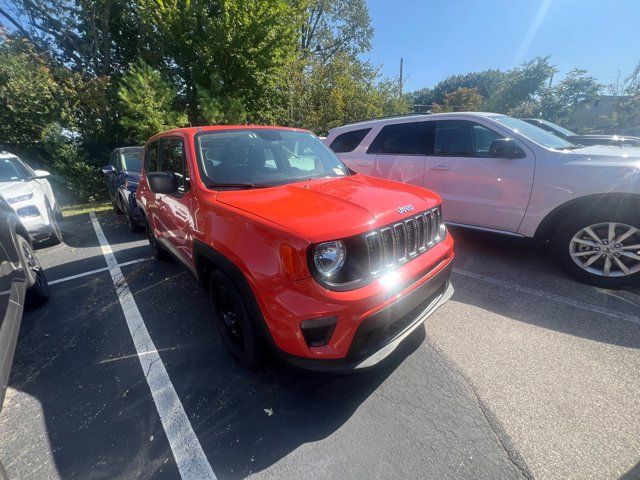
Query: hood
(15, 189)
(326, 209)
(608, 152)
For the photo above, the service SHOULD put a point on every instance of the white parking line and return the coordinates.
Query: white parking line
(97, 270)
(187, 451)
(550, 296)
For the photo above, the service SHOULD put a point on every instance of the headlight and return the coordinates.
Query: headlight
(21, 198)
(329, 258)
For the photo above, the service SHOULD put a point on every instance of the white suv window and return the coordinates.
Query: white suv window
(463, 138)
(401, 139)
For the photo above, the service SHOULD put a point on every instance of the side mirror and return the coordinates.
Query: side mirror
(505, 148)
(163, 182)
(41, 174)
(108, 170)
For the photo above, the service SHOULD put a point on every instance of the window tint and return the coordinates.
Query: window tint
(348, 141)
(172, 155)
(482, 140)
(401, 139)
(463, 138)
(152, 157)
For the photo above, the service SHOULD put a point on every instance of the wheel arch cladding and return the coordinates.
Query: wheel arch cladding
(585, 205)
(208, 259)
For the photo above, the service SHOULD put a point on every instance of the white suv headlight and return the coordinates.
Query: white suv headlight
(329, 257)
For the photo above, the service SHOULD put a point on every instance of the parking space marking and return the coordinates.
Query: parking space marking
(550, 296)
(187, 451)
(97, 270)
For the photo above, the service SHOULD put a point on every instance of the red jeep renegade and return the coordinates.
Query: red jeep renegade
(330, 268)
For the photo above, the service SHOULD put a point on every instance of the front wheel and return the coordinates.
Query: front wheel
(38, 287)
(231, 316)
(601, 250)
(55, 237)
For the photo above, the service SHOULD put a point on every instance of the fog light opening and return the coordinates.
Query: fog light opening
(318, 331)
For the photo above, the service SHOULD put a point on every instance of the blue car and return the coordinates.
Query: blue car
(122, 176)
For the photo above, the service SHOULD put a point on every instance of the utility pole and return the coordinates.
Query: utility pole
(401, 65)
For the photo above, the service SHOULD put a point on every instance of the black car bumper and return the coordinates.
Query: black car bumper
(381, 333)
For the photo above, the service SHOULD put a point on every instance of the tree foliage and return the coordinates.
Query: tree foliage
(147, 103)
(463, 100)
(32, 95)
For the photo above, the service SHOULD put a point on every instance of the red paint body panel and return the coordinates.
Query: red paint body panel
(266, 234)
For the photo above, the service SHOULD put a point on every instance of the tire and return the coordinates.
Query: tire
(114, 204)
(38, 287)
(55, 237)
(230, 314)
(572, 246)
(134, 227)
(158, 252)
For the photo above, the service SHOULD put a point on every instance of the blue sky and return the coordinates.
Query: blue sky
(438, 38)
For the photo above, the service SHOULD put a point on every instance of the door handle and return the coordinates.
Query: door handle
(441, 167)
(365, 164)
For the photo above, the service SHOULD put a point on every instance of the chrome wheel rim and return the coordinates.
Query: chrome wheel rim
(607, 249)
(33, 265)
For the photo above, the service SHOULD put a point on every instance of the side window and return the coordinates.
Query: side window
(152, 157)
(453, 138)
(401, 139)
(463, 138)
(348, 141)
(482, 140)
(172, 155)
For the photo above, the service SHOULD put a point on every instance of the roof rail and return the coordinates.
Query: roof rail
(399, 115)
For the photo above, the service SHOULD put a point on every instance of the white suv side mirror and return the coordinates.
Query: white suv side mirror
(41, 174)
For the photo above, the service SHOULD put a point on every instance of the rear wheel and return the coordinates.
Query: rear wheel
(158, 252)
(230, 314)
(600, 249)
(38, 289)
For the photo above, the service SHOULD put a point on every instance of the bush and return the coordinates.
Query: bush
(81, 179)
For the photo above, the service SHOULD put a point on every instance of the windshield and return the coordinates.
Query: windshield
(536, 134)
(132, 160)
(558, 128)
(264, 157)
(10, 171)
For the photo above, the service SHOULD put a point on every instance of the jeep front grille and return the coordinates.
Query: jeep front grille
(400, 242)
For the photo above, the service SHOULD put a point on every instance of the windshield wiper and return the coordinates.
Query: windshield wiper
(238, 185)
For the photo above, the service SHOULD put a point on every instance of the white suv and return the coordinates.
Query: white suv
(501, 174)
(29, 193)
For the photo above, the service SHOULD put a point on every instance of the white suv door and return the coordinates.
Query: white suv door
(477, 188)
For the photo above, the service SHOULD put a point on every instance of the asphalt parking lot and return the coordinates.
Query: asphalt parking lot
(523, 374)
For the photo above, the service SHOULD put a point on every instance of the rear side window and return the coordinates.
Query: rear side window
(402, 139)
(348, 141)
(152, 157)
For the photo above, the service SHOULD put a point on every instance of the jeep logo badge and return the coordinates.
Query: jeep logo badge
(405, 209)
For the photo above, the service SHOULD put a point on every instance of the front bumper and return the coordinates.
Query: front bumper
(379, 335)
(371, 321)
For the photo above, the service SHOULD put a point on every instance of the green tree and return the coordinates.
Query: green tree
(326, 94)
(333, 26)
(147, 103)
(463, 100)
(32, 93)
(521, 84)
(230, 50)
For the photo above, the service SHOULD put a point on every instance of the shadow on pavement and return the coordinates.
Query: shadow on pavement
(528, 265)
